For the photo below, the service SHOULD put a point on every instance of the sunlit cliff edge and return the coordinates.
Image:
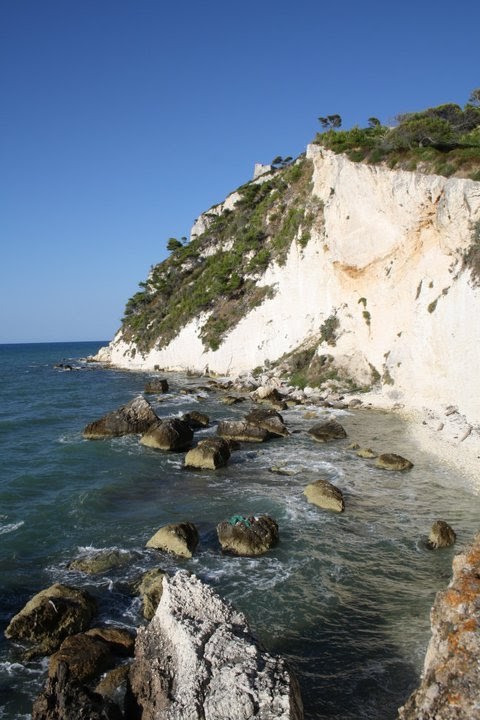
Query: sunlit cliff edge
(384, 267)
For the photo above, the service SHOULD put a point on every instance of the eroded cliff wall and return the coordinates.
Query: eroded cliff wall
(386, 260)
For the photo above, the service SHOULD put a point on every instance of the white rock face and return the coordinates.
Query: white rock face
(197, 660)
(387, 261)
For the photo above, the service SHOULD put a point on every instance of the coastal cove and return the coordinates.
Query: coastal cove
(344, 598)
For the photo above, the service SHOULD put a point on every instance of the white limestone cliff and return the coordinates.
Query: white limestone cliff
(386, 258)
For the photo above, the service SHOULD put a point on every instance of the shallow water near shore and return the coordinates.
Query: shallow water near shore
(345, 598)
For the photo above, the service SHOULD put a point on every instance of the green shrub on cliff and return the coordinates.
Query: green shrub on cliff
(217, 272)
(444, 140)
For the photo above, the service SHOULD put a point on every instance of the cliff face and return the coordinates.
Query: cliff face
(379, 285)
(450, 684)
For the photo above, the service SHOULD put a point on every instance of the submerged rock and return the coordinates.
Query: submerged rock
(180, 539)
(450, 685)
(50, 616)
(134, 417)
(327, 431)
(390, 461)
(209, 454)
(172, 434)
(441, 535)
(197, 659)
(99, 562)
(248, 536)
(325, 495)
(366, 453)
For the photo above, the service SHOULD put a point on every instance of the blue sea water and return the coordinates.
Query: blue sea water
(345, 598)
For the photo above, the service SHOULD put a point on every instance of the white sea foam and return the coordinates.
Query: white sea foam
(11, 527)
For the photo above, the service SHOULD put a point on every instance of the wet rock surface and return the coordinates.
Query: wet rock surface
(325, 495)
(178, 538)
(50, 616)
(134, 417)
(248, 536)
(209, 454)
(327, 431)
(441, 535)
(242, 431)
(170, 434)
(391, 461)
(65, 698)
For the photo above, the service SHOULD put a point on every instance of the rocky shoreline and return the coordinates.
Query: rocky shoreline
(76, 683)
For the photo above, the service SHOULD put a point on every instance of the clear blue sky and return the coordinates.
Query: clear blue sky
(122, 120)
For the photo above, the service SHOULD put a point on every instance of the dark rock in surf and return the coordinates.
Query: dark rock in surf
(327, 431)
(268, 419)
(100, 561)
(178, 538)
(441, 535)
(50, 616)
(325, 495)
(209, 454)
(137, 416)
(248, 536)
(64, 698)
(171, 434)
(242, 431)
(390, 461)
(156, 387)
(196, 420)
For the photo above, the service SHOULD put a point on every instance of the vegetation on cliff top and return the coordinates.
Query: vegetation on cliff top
(218, 271)
(444, 140)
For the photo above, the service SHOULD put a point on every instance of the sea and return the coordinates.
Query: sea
(345, 598)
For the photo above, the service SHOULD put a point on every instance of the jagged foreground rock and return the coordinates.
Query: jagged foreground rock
(450, 688)
(198, 661)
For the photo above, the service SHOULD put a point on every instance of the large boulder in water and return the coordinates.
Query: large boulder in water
(209, 454)
(241, 431)
(197, 659)
(64, 698)
(441, 535)
(327, 431)
(171, 434)
(156, 386)
(391, 461)
(134, 417)
(325, 495)
(50, 616)
(178, 538)
(197, 420)
(248, 536)
(100, 561)
(268, 419)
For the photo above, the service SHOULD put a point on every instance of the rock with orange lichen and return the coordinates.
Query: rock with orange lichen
(450, 687)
